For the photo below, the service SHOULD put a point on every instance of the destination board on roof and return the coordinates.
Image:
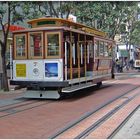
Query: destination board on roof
(46, 23)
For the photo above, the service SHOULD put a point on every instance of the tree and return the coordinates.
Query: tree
(110, 16)
(3, 42)
(7, 10)
(135, 34)
(48, 8)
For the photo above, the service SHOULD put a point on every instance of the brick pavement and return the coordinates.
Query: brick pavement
(17, 93)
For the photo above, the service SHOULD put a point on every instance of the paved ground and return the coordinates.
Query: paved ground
(130, 130)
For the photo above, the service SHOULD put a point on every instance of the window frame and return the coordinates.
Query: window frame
(15, 46)
(29, 50)
(46, 44)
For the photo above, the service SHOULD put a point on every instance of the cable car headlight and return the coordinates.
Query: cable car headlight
(35, 71)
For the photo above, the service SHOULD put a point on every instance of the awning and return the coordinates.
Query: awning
(124, 53)
(15, 28)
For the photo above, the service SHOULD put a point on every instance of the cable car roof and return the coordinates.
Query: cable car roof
(56, 22)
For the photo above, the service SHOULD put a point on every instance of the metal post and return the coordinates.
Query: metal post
(81, 54)
(71, 72)
(65, 60)
(78, 51)
(11, 61)
(73, 52)
(88, 46)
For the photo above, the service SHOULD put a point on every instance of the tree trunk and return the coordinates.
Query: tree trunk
(5, 79)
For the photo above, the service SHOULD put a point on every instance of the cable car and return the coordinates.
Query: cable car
(137, 60)
(58, 56)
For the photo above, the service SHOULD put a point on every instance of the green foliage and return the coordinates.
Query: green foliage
(135, 34)
(110, 16)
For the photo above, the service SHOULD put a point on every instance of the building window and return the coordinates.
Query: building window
(36, 45)
(20, 46)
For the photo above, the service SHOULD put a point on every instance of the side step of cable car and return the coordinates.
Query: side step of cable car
(77, 87)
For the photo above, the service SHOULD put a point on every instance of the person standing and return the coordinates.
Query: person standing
(117, 65)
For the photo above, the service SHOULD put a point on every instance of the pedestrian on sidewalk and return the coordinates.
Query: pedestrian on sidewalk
(118, 67)
(126, 63)
(131, 64)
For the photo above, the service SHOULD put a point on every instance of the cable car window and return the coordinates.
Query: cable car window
(96, 48)
(53, 44)
(91, 50)
(106, 49)
(109, 50)
(101, 46)
(20, 46)
(36, 43)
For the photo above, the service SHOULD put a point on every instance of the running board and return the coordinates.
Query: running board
(50, 94)
(77, 87)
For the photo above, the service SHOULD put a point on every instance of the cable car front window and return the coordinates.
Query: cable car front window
(53, 44)
(20, 46)
(36, 49)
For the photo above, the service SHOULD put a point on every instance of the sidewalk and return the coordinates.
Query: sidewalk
(126, 72)
(11, 95)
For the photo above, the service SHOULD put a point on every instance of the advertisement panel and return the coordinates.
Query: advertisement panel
(20, 70)
(53, 70)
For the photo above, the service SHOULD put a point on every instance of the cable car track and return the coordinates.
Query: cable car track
(13, 108)
(16, 103)
(20, 107)
(32, 100)
(84, 133)
(123, 123)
